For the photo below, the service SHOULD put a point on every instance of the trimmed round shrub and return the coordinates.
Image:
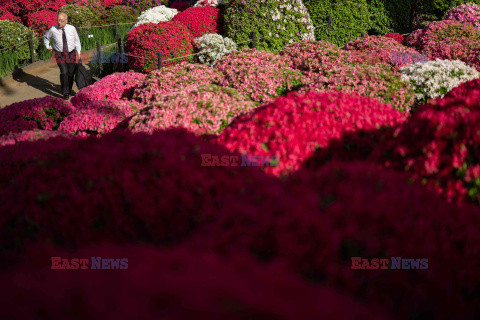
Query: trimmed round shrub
(464, 89)
(212, 47)
(293, 127)
(365, 212)
(81, 15)
(201, 20)
(174, 78)
(142, 5)
(206, 109)
(192, 282)
(180, 5)
(275, 22)
(465, 13)
(434, 79)
(117, 86)
(349, 19)
(259, 74)
(13, 34)
(42, 113)
(29, 135)
(123, 187)
(98, 117)
(123, 14)
(172, 39)
(41, 21)
(5, 14)
(439, 146)
(156, 15)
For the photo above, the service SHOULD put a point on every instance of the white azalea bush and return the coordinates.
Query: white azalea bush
(156, 15)
(433, 79)
(212, 47)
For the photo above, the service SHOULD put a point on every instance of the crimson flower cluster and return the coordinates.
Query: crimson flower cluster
(25, 7)
(42, 113)
(397, 37)
(465, 89)
(5, 14)
(293, 127)
(172, 39)
(201, 20)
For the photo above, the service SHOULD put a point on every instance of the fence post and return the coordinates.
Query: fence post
(116, 29)
(99, 56)
(329, 21)
(122, 55)
(30, 44)
(159, 60)
(254, 39)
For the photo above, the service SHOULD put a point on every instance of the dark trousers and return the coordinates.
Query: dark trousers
(67, 64)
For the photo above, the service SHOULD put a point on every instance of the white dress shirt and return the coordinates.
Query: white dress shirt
(55, 32)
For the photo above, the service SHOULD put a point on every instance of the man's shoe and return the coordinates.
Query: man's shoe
(66, 97)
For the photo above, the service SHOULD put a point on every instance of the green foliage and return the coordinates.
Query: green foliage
(276, 23)
(122, 13)
(15, 34)
(381, 22)
(349, 19)
(81, 15)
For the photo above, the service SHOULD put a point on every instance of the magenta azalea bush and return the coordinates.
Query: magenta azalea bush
(293, 127)
(42, 113)
(465, 89)
(259, 74)
(98, 117)
(465, 13)
(5, 14)
(117, 86)
(174, 78)
(29, 135)
(41, 21)
(205, 109)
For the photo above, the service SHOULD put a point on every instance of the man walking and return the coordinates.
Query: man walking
(65, 41)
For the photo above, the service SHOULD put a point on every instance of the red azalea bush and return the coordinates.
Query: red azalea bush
(103, 3)
(180, 5)
(327, 67)
(124, 187)
(5, 14)
(27, 7)
(12, 6)
(293, 127)
(259, 74)
(173, 284)
(174, 78)
(365, 211)
(42, 113)
(440, 145)
(206, 109)
(29, 135)
(170, 38)
(116, 86)
(464, 89)
(41, 21)
(201, 20)
(98, 117)
(397, 37)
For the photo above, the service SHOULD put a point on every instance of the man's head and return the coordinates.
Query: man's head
(62, 19)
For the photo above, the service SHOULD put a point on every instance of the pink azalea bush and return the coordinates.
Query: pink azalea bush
(204, 109)
(98, 117)
(259, 74)
(465, 13)
(465, 89)
(201, 20)
(5, 14)
(328, 67)
(41, 21)
(193, 283)
(293, 127)
(42, 113)
(116, 86)
(172, 39)
(175, 78)
(29, 135)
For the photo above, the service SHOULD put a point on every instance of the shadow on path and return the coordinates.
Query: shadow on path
(39, 83)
